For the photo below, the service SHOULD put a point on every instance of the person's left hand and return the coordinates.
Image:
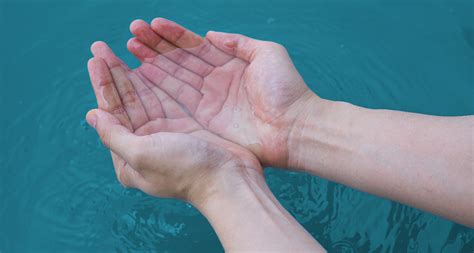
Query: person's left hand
(245, 90)
(156, 146)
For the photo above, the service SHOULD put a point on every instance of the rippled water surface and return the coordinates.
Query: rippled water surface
(58, 192)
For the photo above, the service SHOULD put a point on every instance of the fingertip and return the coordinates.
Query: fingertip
(157, 21)
(102, 50)
(213, 35)
(162, 23)
(132, 45)
(95, 61)
(130, 42)
(136, 24)
(90, 62)
(91, 117)
(102, 115)
(210, 33)
(140, 50)
(96, 46)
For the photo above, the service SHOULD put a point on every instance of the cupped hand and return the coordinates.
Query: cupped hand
(244, 90)
(156, 146)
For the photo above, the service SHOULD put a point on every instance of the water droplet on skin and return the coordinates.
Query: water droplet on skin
(236, 125)
(236, 109)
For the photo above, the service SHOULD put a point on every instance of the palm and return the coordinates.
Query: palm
(146, 109)
(238, 98)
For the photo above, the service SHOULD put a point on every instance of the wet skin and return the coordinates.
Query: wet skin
(229, 94)
(157, 126)
(145, 110)
(251, 99)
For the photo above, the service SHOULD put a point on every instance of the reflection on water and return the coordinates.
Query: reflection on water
(57, 187)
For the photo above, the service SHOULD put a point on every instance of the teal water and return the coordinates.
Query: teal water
(58, 191)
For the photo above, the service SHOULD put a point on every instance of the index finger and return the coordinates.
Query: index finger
(107, 96)
(186, 39)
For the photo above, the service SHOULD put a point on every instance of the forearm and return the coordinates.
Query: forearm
(424, 161)
(248, 218)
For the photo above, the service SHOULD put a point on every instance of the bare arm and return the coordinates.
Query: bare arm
(253, 95)
(233, 196)
(160, 150)
(248, 218)
(420, 160)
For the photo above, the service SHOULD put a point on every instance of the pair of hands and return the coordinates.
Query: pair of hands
(199, 113)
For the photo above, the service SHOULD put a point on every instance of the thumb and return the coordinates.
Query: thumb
(235, 44)
(113, 134)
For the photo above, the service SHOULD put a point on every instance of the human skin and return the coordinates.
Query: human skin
(158, 149)
(248, 91)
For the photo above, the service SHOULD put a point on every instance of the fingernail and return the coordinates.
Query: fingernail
(91, 119)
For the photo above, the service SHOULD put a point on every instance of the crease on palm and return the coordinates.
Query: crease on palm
(178, 81)
(187, 83)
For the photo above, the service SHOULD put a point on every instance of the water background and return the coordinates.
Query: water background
(58, 191)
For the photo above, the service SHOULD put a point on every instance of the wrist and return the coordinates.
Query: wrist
(310, 112)
(247, 217)
(322, 128)
(229, 181)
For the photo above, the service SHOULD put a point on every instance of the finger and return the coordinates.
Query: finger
(108, 98)
(145, 34)
(235, 44)
(189, 41)
(130, 100)
(146, 54)
(171, 108)
(100, 49)
(113, 134)
(141, 51)
(182, 125)
(177, 89)
(149, 100)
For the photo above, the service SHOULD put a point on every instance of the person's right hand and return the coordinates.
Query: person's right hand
(245, 90)
(156, 147)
